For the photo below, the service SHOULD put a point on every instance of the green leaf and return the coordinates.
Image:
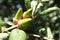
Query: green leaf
(27, 3)
(39, 7)
(9, 23)
(17, 34)
(3, 36)
(1, 22)
(42, 31)
(33, 3)
(49, 33)
(49, 10)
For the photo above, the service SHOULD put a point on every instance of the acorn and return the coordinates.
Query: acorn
(27, 14)
(24, 22)
(18, 16)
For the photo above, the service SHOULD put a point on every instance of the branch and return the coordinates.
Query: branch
(14, 26)
(34, 8)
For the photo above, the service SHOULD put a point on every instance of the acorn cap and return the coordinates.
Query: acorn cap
(15, 21)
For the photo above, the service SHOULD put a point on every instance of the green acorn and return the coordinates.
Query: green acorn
(18, 16)
(49, 10)
(27, 14)
(17, 34)
(24, 22)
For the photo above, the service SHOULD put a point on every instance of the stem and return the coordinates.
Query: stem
(38, 36)
(35, 35)
(33, 11)
(14, 26)
(34, 8)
